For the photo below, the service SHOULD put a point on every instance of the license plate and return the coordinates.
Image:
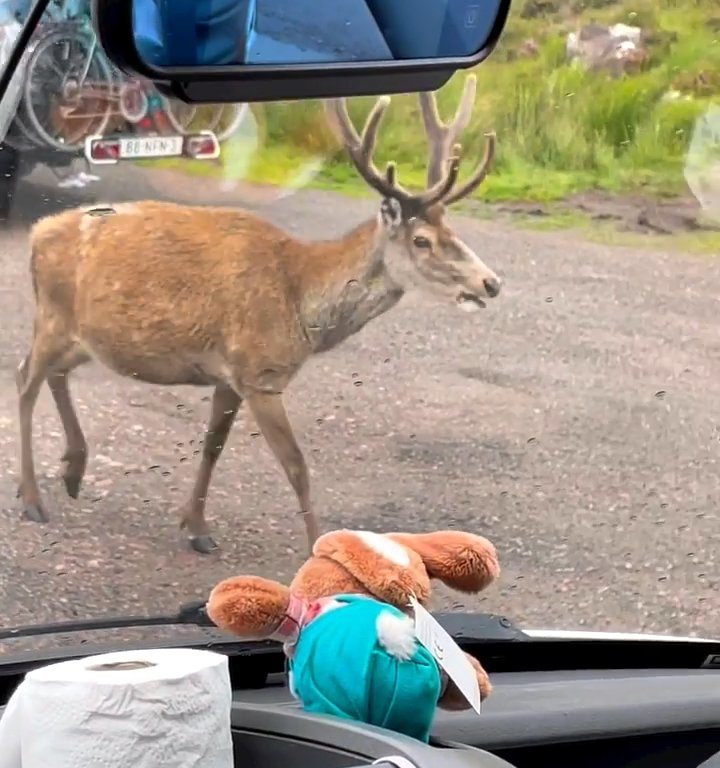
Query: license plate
(151, 146)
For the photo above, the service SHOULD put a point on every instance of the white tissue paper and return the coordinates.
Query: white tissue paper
(166, 708)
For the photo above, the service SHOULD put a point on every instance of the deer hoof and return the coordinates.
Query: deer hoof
(72, 486)
(35, 513)
(203, 544)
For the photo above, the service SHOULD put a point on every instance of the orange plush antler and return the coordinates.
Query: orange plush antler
(463, 561)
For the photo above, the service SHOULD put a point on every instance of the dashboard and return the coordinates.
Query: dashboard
(598, 703)
(609, 718)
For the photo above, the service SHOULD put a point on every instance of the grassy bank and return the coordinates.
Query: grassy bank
(560, 129)
(701, 242)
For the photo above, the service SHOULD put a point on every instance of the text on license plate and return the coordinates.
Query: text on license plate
(151, 146)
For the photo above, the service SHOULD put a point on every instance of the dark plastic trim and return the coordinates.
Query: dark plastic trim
(540, 708)
(113, 24)
(533, 709)
(354, 739)
(314, 87)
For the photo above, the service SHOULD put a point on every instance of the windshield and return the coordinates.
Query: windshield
(532, 357)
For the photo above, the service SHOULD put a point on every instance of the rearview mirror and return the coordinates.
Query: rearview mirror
(303, 48)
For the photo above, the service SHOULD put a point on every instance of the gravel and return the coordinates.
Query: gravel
(574, 422)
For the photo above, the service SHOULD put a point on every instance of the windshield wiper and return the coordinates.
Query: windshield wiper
(464, 627)
(193, 614)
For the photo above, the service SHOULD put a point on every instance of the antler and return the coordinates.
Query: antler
(442, 136)
(361, 149)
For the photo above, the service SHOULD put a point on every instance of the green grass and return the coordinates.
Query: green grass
(559, 220)
(702, 242)
(699, 243)
(560, 130)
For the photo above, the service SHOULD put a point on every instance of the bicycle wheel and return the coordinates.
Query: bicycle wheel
(69, 90)
(179, 114)
(222, 119)
(227, 119)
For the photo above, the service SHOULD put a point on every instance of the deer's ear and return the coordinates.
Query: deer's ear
(391, 214)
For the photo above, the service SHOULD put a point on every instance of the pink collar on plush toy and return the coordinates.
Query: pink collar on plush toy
(300, 612)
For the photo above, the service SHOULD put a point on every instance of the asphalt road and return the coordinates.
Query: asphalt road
(576, 423)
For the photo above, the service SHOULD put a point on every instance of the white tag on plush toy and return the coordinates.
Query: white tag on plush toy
(447, 653)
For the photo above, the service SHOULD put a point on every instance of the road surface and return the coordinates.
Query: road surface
(576, 423)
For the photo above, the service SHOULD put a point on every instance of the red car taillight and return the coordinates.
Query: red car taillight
(103, 150)
(202, 146)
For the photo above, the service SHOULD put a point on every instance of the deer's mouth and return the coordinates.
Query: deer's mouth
(469, 302)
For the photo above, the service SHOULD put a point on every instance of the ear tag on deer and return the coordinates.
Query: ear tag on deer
(447, 653)
(101, 210)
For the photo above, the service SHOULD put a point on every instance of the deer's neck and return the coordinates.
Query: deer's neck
(345, 285)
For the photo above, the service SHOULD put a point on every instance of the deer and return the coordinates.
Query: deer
(171, 295)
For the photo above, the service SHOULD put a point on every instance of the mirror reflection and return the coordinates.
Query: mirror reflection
(232, 32)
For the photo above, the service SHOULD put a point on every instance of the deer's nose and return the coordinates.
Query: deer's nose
(492, 286)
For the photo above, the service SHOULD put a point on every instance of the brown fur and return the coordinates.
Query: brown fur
(462, 561)
(264, 602)
(347, 556)
(178, 295)
(91, 270)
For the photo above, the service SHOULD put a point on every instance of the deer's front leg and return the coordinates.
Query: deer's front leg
(271, 418)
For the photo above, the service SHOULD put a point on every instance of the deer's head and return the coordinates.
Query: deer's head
(428, 250)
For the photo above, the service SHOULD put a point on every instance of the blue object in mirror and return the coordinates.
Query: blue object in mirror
(14, 11)
(193, 32)
(186, 33)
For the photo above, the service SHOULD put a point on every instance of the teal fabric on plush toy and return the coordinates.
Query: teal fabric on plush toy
(361, 661)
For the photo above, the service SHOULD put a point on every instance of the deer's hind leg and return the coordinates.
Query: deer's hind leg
(224, 408)
(49, 347)
(74, 459)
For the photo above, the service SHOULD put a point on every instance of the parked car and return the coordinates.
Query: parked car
(68, 100)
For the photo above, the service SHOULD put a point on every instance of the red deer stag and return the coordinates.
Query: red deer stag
(191, 295)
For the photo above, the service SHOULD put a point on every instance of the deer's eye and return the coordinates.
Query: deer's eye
(421, 242)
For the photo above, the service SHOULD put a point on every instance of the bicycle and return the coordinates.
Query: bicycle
(72, 91)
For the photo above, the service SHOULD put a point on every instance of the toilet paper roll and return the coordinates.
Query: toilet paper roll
(166, 708)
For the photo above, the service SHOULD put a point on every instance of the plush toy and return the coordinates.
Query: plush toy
(347, 627)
